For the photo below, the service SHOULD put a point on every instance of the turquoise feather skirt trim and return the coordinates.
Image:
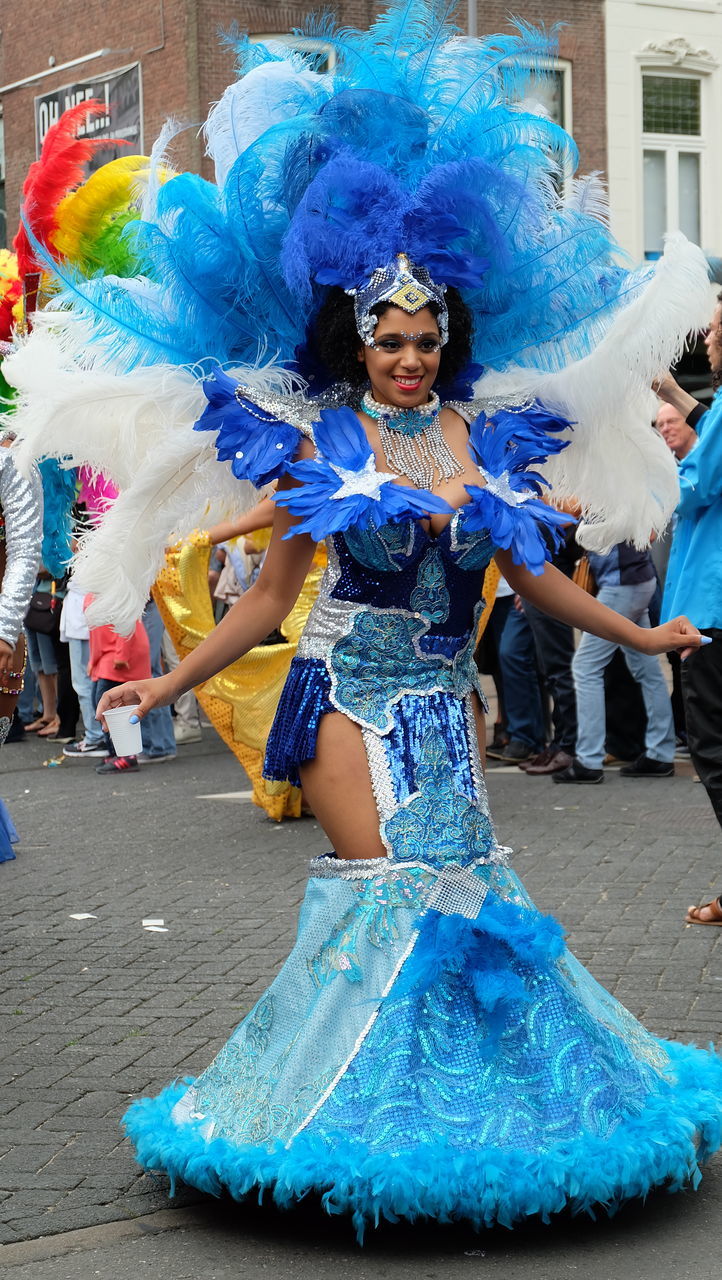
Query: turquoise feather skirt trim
(413, 1062)
(664, 1146)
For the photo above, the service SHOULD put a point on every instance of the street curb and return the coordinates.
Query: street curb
(86, 1238)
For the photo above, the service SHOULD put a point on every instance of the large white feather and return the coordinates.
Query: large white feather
(119, 561)
(137, 429)
(92, 416)
(616, 465)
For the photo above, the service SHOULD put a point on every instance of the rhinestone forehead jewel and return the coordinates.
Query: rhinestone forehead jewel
(404, 285)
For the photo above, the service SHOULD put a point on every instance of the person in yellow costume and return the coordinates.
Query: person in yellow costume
(241, 701)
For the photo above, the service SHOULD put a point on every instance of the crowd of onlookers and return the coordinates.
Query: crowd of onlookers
(70, 665)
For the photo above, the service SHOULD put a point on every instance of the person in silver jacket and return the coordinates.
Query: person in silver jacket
(21, 521)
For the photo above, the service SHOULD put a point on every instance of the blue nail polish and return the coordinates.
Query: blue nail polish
(706, 639)
(133, 720)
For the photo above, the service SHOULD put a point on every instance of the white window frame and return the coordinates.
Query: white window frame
(565, 66)
(298, 44)
(676, 59)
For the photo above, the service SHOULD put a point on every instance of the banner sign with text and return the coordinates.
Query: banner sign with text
(120, 91)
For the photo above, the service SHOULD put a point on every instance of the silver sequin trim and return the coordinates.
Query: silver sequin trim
(469, 410)
(295, 409)
(382, 782)
(458, 892)
(477, 769)
(345, 1066)
(22, 505)
(5, 722)
(331, 868)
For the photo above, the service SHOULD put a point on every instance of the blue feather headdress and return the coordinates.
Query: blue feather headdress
(323, 179)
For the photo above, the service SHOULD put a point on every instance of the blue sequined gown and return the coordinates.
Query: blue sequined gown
(430, 1047)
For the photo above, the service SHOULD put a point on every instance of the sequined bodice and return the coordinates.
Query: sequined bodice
(401, 568)
(397, 613)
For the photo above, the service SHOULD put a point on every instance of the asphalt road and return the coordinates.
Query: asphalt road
(95, 1011)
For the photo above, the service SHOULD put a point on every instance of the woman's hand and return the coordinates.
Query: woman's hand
(146, 693)
(6, 656)
(678, 634)
(669, 390)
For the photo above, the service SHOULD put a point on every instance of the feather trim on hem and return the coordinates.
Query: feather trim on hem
(678, 1130)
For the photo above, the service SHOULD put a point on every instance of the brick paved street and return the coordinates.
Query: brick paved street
(95, 1011)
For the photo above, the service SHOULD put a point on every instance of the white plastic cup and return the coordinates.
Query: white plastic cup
(126, 737)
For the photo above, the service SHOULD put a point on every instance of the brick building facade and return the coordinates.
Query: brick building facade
(184, 66)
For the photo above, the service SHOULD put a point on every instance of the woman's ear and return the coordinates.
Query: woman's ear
(361, 355)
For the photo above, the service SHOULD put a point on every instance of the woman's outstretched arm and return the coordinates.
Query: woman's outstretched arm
(554, 593)
(259, 517)
(259, 611)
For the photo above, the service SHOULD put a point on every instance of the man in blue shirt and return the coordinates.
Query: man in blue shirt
(694, 583)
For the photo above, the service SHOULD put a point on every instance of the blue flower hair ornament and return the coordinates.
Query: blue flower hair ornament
(509, 506)
(258, 445)
(342, 488)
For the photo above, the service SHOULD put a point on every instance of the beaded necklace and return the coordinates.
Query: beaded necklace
(413, 441)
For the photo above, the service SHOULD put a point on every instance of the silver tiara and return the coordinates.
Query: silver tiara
(402, 284)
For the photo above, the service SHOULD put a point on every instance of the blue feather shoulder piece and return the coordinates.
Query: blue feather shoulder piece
(258, 443)
(341, 487)
(506, 446)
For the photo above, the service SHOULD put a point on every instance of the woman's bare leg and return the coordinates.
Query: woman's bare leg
(48, 685)
(337, 786)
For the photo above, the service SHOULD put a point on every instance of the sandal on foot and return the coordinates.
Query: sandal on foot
(37, 724)
(715, 906)
(51, 728)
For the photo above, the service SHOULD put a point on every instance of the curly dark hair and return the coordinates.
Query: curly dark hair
(333, 342)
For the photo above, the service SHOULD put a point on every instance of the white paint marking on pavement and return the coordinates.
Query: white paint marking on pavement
(83, 915)
(228, 795)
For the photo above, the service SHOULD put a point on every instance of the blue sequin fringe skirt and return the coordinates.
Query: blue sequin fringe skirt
(431, 1049)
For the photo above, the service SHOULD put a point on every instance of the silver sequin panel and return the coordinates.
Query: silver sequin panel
(22, 505)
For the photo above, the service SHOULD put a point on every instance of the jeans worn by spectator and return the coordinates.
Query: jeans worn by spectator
(84, 688)
(520, 678)
(589, 663)
(554, 642)
(42, 656)
(157, 725)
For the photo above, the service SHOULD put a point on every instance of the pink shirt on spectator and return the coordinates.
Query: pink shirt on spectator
(107, 649)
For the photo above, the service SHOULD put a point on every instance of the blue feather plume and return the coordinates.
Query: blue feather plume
(59, 493)
(419, 143)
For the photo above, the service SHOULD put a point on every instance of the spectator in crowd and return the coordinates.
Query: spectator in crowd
(554, 644)
(74, 630)
(675, 430)
(519, 677)
(113, 660)
(626, 581)
(158, 737)
(42, 657)
(694, 582)
(680, 437)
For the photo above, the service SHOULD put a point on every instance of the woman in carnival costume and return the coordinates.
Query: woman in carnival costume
(430, 1047)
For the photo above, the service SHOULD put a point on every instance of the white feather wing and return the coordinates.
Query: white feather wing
(616, 465)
